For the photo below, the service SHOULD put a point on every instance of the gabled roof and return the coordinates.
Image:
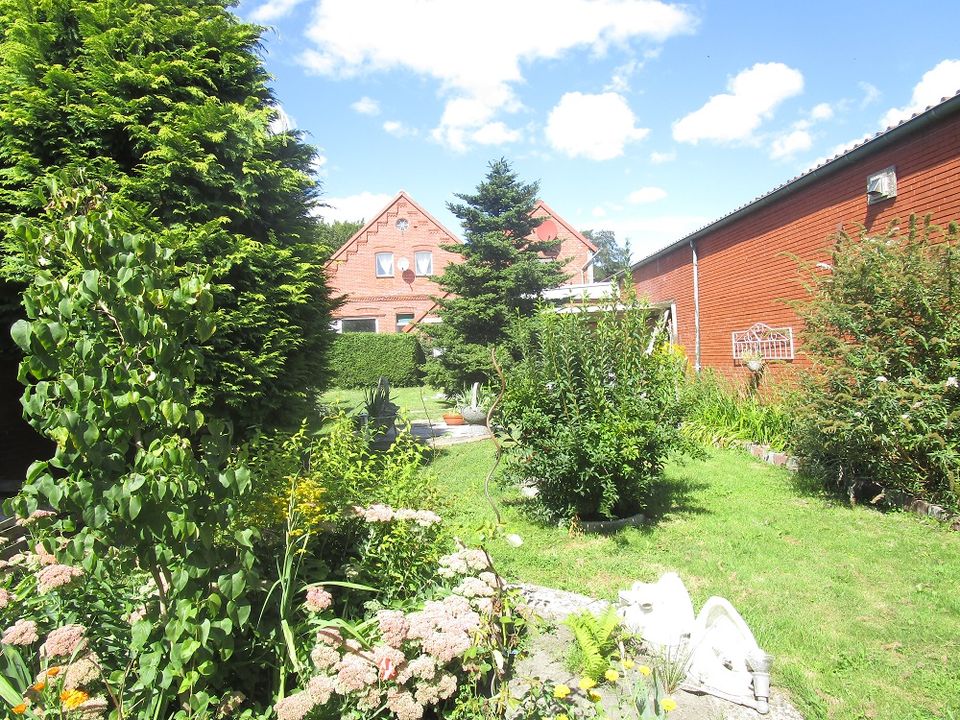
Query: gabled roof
(915, 123)
(541, 205)
(402, 195)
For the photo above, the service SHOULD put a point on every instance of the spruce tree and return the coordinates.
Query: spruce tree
(167, 105)
(498, 284)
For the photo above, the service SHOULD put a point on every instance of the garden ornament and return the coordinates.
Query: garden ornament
(724, 659)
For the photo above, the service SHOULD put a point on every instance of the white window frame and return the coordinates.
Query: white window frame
(376, 264)
(376, 325)
(416, 263)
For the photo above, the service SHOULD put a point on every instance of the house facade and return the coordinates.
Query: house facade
(384, 272)
(730, 284)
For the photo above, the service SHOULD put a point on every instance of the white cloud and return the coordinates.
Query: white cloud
(646, 195)
(942, 81)
(494, 133)
(821, 111)
(598, 212)
(733, 116)
(366, 106)
(659, 158)
(272, 10)
(620, 82)
(398, 129)
(596, 127)
(790, 144)
(318, 164)
(282, 122)
(470, 51)
(870, 94)
(362, 206)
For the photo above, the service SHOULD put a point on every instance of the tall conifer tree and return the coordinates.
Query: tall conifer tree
(504, 270)
(167, 105)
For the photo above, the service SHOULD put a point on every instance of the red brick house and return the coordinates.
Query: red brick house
(738, 271)
(384, 271)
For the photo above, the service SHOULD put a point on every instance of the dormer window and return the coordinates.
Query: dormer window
(384, 263)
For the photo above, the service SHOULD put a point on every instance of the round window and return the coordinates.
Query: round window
(402, 224)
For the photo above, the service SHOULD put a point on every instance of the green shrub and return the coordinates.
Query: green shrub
(595, 408)
(883, 332)
(721, 413)
(360, 359)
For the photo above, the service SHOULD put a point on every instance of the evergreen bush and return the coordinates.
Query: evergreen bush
(595, 408)
(361, 359)
(882, 410)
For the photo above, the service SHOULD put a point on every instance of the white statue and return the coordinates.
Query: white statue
(661, 612)
(724, 658)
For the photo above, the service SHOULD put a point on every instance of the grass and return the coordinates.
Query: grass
(860, 609)
(411, 401)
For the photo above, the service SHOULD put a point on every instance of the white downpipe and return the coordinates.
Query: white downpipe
(696, 307)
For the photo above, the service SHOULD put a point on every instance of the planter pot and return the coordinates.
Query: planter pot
(609, 526)
(474, 415)
(454, 419)
(755, 365)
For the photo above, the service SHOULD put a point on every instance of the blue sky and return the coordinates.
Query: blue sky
(644, 117)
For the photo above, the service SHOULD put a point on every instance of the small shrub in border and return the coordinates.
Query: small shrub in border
(595, 408)
(360, 359)
(883, 333)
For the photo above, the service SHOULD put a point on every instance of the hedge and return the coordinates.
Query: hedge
(359, 359)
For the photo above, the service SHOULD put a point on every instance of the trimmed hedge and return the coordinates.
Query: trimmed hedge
(359, 359)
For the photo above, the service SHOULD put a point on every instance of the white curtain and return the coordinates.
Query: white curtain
(424, 263)
(384, 264)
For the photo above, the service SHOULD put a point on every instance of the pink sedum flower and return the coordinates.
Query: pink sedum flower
(65, 641)
(318, 599)
(35, 517)
(5, 597)
(321, 687)
(22, 632)
(393, 627)
(52, 577)
(295, 707)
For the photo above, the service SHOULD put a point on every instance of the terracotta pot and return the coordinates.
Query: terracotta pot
(453, 419)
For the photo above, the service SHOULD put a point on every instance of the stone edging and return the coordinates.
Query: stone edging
(608, 526)
(904, 502)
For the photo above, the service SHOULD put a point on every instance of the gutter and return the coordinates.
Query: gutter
(908, 127)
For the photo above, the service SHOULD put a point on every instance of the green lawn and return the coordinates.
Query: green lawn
(411, 401)
(861, 609)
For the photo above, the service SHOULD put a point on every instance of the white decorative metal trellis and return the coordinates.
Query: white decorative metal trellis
(767, 342)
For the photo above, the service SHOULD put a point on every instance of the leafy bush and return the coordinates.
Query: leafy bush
(361, 359)
(139, 477)
(595, 408)
(882, 409)
(721, 413)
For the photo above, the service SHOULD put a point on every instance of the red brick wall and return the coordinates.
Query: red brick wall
(353, 273)
(572, 249)
(746, 272)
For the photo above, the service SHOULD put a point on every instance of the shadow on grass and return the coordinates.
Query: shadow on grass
(674, 496)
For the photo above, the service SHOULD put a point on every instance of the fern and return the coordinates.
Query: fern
(596, 640)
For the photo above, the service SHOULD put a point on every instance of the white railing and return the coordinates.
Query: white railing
(767, 342)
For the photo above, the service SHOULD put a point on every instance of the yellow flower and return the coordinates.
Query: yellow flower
(593, 695)
(644, 670)
(612, 675)
(586, 683)
(668, 704)
(628, 664)
(19, 709)
(54, 671)
(72, 699)
(561, 716)
(561, 691)
(38, 686)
